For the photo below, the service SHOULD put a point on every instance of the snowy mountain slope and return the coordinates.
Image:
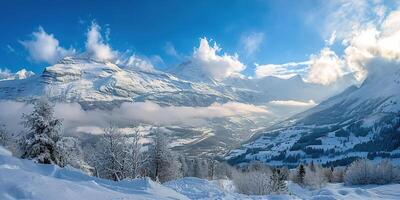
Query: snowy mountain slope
(89, 81)
(103, 85)
(360, 122)
(21, 74)
(24, 179)
(92, 83)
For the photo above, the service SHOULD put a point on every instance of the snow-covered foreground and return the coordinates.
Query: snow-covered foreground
(23, 179)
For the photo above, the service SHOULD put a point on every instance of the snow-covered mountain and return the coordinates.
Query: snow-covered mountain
(21, 74)
(104, 85)
(360, 122)
(89, 82)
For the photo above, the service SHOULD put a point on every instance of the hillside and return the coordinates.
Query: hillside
(360, 122)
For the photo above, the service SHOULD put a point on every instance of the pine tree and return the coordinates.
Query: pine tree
(40, 142)
(278, 184)
(300, 174)
(311, 166)
(4, 137)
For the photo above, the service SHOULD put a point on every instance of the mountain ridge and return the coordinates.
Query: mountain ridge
(361, 121)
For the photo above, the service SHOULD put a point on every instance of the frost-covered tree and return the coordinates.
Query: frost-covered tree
(4, 137)
(201, 168)
(363, 172)
(136, 159)
(212, 165)
(163, 163)
(315, 176)
(252, 182)
(386, 173)
(70, 153)
(278, 182)
(111, 155)
(360, 172)
(328, 173)
(39, 143)
(184, 166)
(338, 174)
(223, 171)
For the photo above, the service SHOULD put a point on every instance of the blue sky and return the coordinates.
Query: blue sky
(275, 32)
(147, 26)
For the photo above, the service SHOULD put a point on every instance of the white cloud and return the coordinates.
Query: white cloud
(170, 50)
(379, 40)
(293, 103)
(96, 46)
(285, 71)
(45, 48)
(147, 112)
(325, 68)
(346, 16)
(366, 29)
(251, 42)
(331, 39)
(217, 66)
(134, 62)
(10, 48)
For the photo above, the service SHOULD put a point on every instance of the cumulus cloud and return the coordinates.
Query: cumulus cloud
(96, 46)
(343, 17)
(44, 47)
(133, 61)
(285, 71)
(367, 30)
(251, 42)
(374, 41)
(325, 68)
(293, 103)
(217, 66)
(128, 113)
(99, 49)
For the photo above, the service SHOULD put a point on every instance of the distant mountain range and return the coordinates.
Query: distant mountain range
(359, 122)
(103, 85)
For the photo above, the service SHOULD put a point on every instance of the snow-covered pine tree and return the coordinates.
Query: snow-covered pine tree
(39, 143)
(301, 172)
(278, 184)
(4, 137)
(163, 162)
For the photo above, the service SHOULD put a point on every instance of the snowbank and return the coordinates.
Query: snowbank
(24, 179)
